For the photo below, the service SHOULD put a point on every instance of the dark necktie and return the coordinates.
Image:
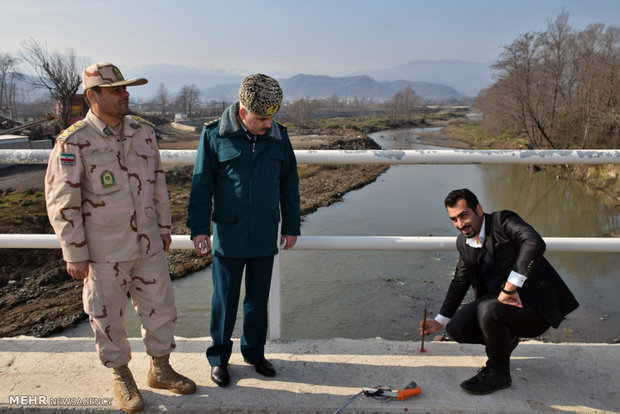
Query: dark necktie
(490, 273)
(482, 256)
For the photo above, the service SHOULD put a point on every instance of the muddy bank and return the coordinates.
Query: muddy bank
(39, 298)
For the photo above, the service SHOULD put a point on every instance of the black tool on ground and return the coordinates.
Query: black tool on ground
(383, 393)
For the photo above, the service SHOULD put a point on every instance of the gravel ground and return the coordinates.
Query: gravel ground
(22, 176)
(37, 296)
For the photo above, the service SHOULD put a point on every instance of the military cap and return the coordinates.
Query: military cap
(106, 75)
(260, 94)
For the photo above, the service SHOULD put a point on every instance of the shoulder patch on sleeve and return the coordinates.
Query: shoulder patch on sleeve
(72, 130)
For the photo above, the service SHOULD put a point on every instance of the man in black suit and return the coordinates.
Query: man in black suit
(517, 292)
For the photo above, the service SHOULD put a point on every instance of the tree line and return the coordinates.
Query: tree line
(559, 88)
(60, 73)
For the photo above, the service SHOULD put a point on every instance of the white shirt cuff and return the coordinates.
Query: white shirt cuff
(516, 279)
(442, 319)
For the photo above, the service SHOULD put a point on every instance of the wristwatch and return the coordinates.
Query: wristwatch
(508, 292)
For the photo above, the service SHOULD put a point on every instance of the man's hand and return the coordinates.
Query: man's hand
(432, 326)
(78, 270)
(512, 300)
(202, 244)
(167, 239)
(286, 241)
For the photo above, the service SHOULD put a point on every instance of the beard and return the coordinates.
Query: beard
(468, 232)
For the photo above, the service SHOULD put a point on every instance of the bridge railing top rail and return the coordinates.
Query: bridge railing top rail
(390, 157)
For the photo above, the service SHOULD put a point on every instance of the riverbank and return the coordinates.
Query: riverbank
(37, 296)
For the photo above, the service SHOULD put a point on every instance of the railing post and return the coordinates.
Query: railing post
(275, 293)
(275, 300)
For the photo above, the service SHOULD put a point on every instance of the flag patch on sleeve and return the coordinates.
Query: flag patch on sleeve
(67, 159)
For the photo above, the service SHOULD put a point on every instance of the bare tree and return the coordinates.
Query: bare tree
(403, 105)
(301, 111)
(333, 102)
(162, 96)
(586, 73)
(522, 81)
(8, 78)
(557, 47)
(559, 88)
(188, 98)
(58, 72)
(610, 71)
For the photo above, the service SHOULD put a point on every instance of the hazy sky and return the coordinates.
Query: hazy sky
(286, 37)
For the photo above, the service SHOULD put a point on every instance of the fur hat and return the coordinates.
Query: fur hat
(260, 94)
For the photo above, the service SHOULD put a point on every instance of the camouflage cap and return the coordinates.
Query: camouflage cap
(260, 94)
(106, 75)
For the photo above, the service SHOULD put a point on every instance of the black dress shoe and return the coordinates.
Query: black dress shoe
(486, 381)
(219, 375)
(263, 367)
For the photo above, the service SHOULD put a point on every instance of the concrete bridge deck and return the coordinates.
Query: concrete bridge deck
(316, 376)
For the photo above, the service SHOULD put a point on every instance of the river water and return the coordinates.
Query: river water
(371, 294)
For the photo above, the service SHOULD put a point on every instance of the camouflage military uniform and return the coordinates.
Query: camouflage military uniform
(107, 201)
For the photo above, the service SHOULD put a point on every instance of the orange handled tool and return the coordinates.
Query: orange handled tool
(380, 393)
(408, 392)
(384, 394)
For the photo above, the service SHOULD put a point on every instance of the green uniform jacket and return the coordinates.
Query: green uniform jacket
(244, 184)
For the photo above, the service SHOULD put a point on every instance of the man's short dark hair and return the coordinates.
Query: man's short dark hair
(96, 89)
(462, 193)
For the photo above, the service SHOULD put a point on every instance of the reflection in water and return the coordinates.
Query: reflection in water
(366, 294)
(555, 207)
(383, 294)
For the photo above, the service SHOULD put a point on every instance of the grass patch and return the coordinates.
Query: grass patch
(474, 133)
(23, 211)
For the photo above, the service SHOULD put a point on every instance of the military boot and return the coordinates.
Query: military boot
(126, 390)
(161, 375)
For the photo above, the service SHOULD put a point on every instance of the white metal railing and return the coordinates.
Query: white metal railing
(391, 157)
(554, 244)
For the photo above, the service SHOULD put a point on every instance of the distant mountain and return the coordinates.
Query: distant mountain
(437, 80)
(466, 77)
(441, 80)
(317, 86)
(175, 77)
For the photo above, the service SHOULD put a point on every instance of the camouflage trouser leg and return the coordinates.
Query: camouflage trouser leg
(105, 301)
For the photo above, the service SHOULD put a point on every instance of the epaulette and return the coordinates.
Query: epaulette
(212, 122)
(142, 120)
(282, 125)
(72, 130)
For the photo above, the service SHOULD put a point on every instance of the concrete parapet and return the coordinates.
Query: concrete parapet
(315, 376)
(183, 127)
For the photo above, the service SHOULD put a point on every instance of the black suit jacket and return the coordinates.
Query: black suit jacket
(514, 245)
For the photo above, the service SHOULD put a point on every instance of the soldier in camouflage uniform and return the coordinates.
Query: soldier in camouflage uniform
(107, 201)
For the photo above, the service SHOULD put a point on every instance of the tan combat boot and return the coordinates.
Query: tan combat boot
(161, 375)
(126, 390)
